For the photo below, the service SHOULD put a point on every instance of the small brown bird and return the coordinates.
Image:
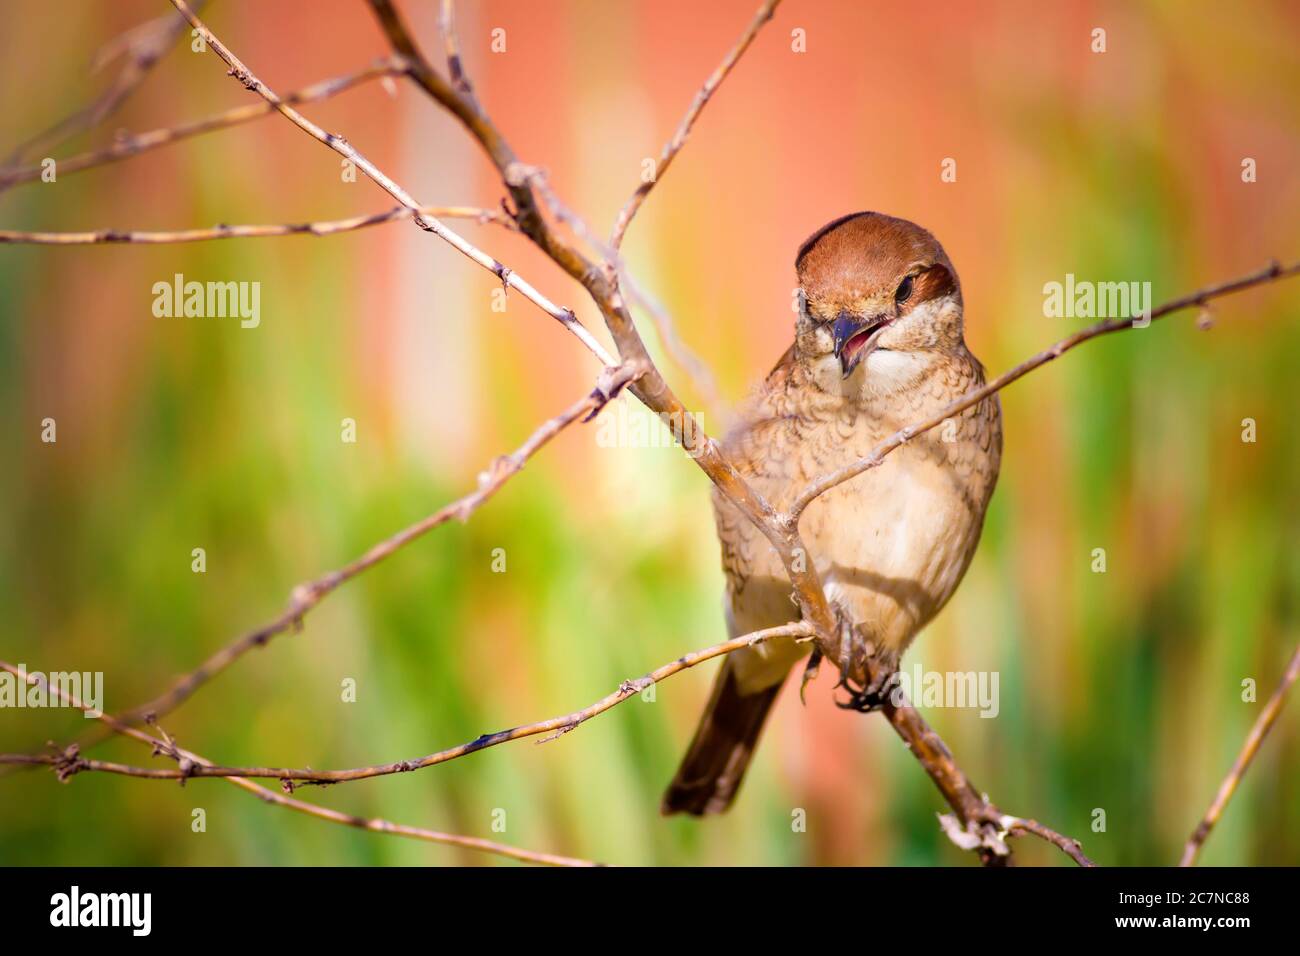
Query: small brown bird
(878, 346)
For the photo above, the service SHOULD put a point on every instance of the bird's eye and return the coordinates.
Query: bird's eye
(904, 290)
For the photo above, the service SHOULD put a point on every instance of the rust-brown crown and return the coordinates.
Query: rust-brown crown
(866, 254)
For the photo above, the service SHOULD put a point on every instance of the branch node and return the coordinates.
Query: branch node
(974, 835)
(560, 732)
(517, 174)
(503, 273)
(67, 761)
(244, 77)
(608, 384)
(629, 687)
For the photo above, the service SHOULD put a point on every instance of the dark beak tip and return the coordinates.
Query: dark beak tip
(844, 329)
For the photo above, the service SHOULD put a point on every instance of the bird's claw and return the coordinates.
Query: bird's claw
(875, 694)
(860, 655)
(809, 673)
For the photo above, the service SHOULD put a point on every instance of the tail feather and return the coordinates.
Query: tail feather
(724, 742)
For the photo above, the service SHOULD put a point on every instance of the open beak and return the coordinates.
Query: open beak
(855, 337)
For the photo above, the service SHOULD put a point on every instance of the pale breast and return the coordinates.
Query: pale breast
(890, 544)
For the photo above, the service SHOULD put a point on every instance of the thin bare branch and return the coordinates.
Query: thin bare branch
(1068, 845)
(309, 594)
(1271, 273)
(124, 147)
(674, 145)
(191, 764)
(143, 47)
(1263, 724)
(509, 278)
(556, 726)
(326, 228)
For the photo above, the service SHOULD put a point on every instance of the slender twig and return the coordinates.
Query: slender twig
(309, 594)
(509, 278)
(325, 228)
(1068, 845)
(190, 764)
(674, 145)
(555, 726)
(1263, 724)
(1270, 273)
(144, 45)
(124, 147)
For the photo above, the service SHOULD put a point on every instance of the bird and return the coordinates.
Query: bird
(878, 345)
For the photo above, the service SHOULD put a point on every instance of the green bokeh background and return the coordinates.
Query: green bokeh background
(1121, 693)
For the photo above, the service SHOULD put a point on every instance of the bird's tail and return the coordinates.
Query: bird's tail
(713, 767)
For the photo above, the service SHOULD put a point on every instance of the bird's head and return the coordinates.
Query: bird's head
(879, 303)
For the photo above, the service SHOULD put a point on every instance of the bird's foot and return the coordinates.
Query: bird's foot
(876, 693)
(868, 672)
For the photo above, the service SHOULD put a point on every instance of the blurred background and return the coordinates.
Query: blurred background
(1120, 692)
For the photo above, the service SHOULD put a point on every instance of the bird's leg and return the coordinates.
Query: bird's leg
(880, 667)
(846, 645)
